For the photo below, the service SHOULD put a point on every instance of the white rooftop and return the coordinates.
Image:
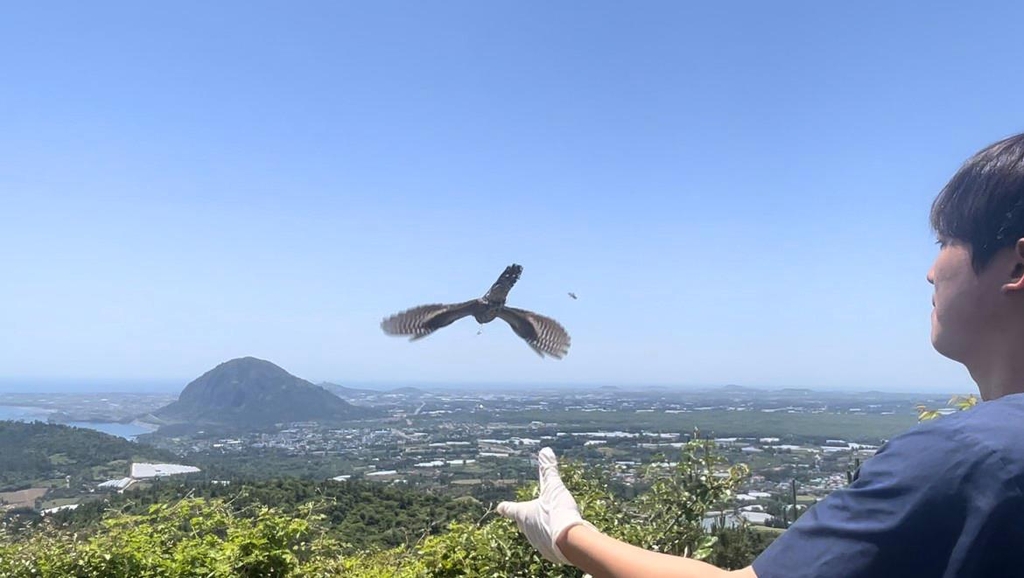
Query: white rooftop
(144, 470)
(117, 484)
(382, 473)
(59, 508)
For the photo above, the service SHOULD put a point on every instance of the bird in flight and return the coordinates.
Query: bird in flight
(571, 294)
(545, 335)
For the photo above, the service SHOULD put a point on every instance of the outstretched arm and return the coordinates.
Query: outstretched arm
(603, 556)
(552, 523)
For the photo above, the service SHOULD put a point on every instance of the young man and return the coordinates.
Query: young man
(945, 498)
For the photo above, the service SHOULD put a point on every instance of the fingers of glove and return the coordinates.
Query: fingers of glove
(547, 457)
(548, 466)
(518, 511)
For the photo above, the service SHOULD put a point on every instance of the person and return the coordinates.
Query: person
(945, 498)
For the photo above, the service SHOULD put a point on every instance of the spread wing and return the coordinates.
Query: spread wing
(543, 334)
(423, 320)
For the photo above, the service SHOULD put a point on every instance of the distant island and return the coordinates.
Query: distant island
(253, 393)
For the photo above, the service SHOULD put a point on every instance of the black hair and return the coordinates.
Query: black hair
(983, 204)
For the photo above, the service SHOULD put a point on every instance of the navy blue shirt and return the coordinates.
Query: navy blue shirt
(943, 499)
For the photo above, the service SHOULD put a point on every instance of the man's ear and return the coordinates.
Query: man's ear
(1016, 282)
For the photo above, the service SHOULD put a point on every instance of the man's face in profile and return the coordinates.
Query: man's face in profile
(967, 307)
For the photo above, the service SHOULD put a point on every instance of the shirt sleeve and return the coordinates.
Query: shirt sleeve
(904, 515)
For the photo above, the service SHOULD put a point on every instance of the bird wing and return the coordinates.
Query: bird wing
(426, 319)
(543, 334)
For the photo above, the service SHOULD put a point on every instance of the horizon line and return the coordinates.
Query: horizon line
(92, 383)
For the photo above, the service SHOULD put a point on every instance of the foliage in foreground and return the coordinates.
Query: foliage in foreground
(360, 514)
(210, 538)
(958, 402)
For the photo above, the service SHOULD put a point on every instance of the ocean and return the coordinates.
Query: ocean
(19, 413)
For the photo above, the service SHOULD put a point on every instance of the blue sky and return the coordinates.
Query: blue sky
(738, 192)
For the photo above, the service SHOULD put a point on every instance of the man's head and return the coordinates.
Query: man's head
(978, 275)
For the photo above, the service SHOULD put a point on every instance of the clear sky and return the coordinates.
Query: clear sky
(737, 192)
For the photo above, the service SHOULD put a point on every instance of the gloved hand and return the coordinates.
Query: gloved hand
(543, 520)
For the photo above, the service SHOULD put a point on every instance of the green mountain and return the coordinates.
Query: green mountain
(252, 393)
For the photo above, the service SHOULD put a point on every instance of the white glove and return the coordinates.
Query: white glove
(543, 520)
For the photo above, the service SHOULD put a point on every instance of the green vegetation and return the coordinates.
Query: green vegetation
(193, 537)
(957, 402)
(41, 453)
(360, 514)
(242, 536)
(268, 464)
(811, 427)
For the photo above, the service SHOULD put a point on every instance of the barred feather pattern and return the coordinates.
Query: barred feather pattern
(543, 334)
(421, 321)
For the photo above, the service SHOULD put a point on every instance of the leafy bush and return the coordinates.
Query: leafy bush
(191, 538)
(960, 403)
(667, 517)
(212, 538)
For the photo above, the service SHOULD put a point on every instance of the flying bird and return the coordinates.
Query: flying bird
(545, 335)
(571, 294)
